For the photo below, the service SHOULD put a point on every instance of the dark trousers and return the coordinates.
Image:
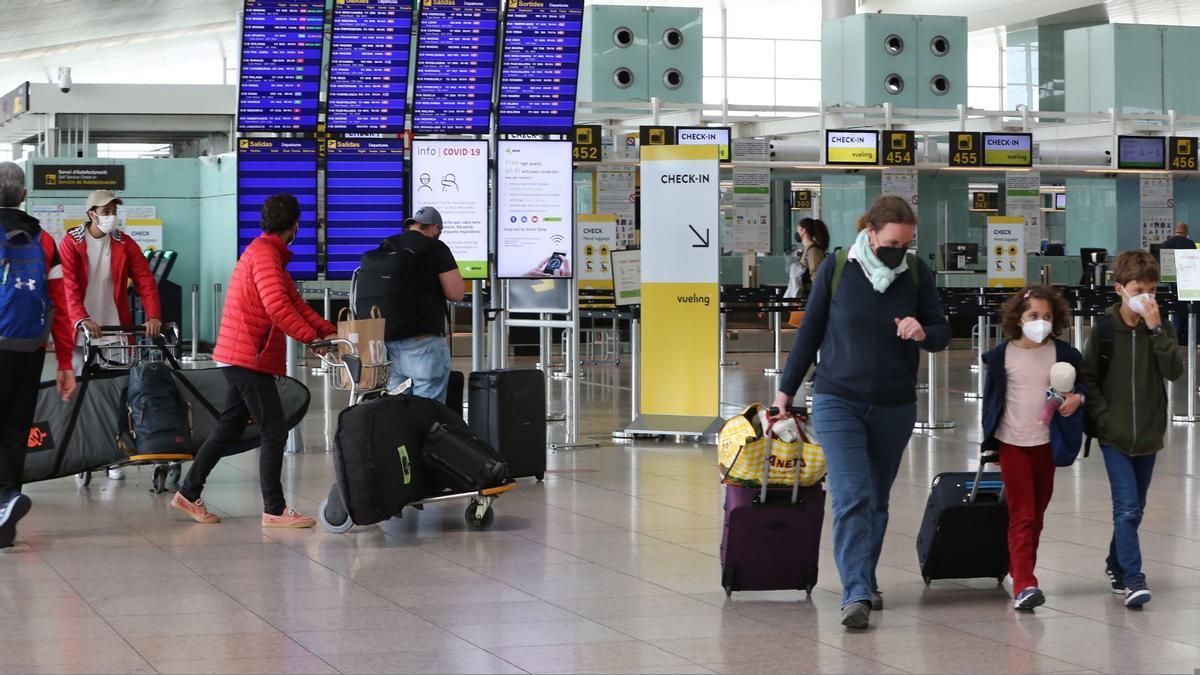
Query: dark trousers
(20, 378)
(251, 394)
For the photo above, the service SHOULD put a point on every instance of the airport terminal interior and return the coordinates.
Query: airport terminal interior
(623, 189)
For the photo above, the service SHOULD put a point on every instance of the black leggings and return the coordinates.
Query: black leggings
(251, 394)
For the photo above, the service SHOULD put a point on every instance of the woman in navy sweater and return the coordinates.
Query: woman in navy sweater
(869, 323)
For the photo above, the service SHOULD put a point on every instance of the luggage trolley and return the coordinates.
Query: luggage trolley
(120, 348)
(347, 372)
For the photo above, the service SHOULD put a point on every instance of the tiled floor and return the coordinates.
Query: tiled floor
(609, 566)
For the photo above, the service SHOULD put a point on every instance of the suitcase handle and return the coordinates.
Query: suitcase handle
(983, 462)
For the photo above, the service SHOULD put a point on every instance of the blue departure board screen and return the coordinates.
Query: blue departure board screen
(456, 60)
(364, 199)
(268, 166)
(540, 67)
(281, 65)
(368, 68)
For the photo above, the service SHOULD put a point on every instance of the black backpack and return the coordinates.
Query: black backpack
(1105, 335)
(388, 278)
(159, 420)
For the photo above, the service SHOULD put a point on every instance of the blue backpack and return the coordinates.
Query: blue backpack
(25, 309)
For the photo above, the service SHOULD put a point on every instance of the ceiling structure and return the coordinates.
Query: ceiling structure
(983, 14)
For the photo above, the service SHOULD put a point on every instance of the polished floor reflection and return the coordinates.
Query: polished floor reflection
(609, 566)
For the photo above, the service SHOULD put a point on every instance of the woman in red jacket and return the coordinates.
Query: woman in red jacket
(263, 306)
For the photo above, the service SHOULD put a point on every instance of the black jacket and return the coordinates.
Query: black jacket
(862, 359)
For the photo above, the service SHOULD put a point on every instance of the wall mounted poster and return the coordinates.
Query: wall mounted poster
(1157, 208)
(452, 177)
(616, 193)
(1006, 251)
(1023, 199)
(751, 211)
(534, 231)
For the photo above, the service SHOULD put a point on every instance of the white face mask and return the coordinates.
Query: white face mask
(1138, 303)
(106, 224)
(1037, 331)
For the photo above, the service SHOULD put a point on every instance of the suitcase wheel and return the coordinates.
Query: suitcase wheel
(83, 479)
(728, 592)
(175, 474)
(927, 579)
(333, 517)
(1000, 579)
(479, 515)
(540, 477)
(808, 591)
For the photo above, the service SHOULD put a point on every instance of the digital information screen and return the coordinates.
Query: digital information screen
(540, 66)
(1141, 152)
(452, 177)
(534, 230)
(456, 59)
(1008, 150)
(268, 166)
(851, 147)
(718, 136)
(364, 199)
(281, 65)
(368, 67)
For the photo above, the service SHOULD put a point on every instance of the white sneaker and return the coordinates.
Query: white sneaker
(117, 473)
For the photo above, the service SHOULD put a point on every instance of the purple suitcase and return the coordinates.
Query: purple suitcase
(771, 546)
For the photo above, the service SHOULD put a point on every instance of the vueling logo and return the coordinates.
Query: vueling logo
(405, 464)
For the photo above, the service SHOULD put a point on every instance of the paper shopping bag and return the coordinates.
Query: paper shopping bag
(367, 336)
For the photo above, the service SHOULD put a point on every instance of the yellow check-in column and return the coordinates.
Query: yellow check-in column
(680, 377)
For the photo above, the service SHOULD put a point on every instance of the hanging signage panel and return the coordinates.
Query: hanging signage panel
(452, 177)
(718, 136)
(1008, 150)
(852, 147)
(534, 231)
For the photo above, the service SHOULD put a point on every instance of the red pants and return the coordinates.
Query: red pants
(1028, 484)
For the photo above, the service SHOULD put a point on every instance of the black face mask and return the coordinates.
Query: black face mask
(799, 239)
(892, 256)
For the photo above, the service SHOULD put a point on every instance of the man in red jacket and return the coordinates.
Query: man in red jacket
(98, 262)
(21, 359)
(262, 307)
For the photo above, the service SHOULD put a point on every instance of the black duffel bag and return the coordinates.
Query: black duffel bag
(460, 461)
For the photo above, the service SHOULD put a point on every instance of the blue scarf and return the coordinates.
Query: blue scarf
(880, 275)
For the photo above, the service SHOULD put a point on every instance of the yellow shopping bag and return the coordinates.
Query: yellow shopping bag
(749, 443)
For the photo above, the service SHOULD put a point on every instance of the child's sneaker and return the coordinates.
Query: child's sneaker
(290, 518)
(12, 510)
(1136, 597)
(1029, 598)
(196, 510)
(1118, 583)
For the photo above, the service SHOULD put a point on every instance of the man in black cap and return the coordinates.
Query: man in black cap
(419, 350)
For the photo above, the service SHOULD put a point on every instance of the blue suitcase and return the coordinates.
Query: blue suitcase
(964, 534)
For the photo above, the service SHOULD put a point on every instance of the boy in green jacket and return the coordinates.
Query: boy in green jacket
(1129, 355)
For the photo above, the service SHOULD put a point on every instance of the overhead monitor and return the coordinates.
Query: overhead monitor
(718, 136)
(535, 226)
(269, 166)
(539, 69)
(1008, 150)
(1141, 152)
(852, 147)
(281, 65)
(364, 199)
(452, 177)
(456, 62)
(1060, 201)
(368, 66)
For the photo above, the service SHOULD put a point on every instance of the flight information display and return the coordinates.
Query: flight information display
(281, 65)
(268, 166)
(540, 66)
(364, 199)
(368, 68)
(456, 60)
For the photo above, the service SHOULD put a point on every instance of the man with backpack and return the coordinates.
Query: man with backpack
(32, 305)
(262, 307)
(410, 277)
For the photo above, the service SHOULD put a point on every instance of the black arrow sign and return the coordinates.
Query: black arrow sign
(703, 239)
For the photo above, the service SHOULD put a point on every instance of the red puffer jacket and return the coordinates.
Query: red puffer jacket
(262, 306)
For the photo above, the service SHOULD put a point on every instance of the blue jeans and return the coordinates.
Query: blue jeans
(425, 360)
(1129, 479)
(863, 446)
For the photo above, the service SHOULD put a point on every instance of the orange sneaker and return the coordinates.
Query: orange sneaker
(290, 518)
(195, 510)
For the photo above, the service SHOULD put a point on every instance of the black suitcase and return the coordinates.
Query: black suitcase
(460, 461)
(964, 534)
(508, 409)
(377, 455)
